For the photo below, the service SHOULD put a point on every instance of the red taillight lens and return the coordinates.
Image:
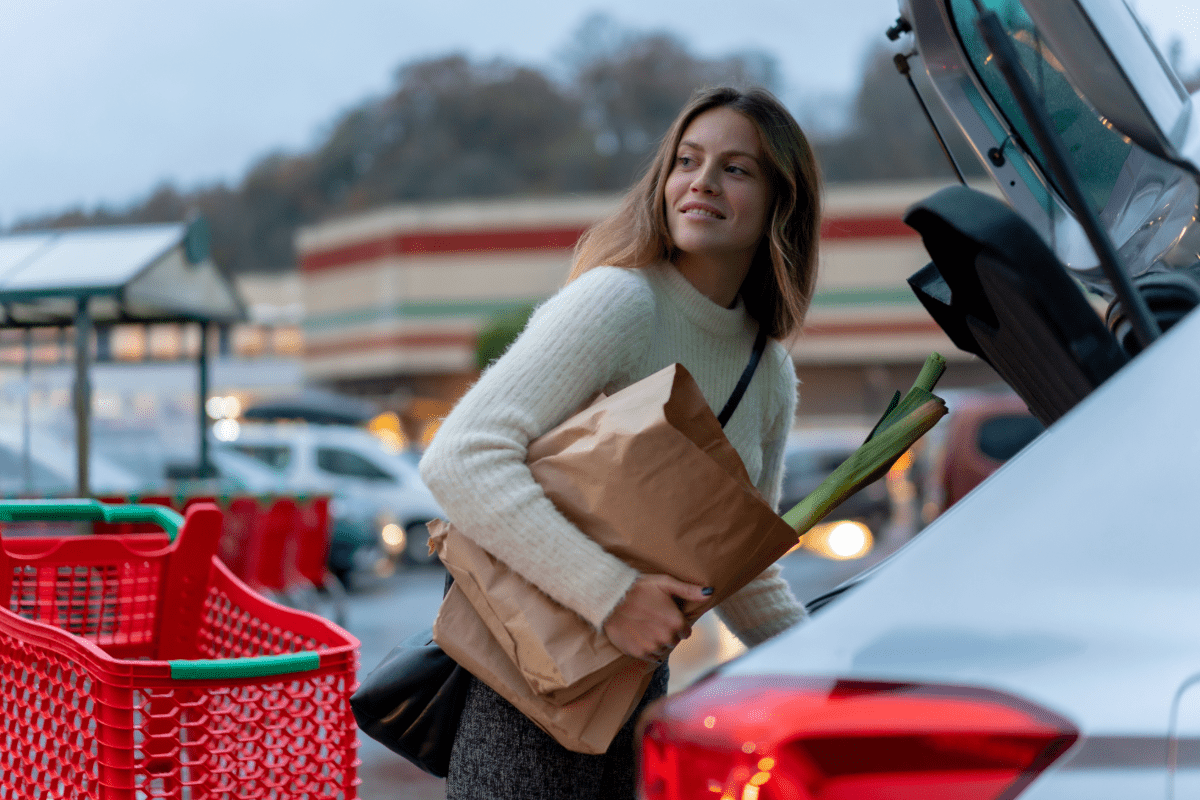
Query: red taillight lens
(776, 738)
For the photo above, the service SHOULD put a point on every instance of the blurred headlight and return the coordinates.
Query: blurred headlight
(842, 540)
(393, 538)
(226, 430)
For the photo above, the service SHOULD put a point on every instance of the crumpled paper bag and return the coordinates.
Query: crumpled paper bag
(648, 474)
(587, 724)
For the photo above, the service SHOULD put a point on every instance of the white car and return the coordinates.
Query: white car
(380, 505)
(1040, 639)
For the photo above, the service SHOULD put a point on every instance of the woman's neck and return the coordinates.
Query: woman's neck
(717, 279)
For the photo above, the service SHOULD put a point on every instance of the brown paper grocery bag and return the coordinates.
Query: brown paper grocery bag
(518, 615)
(649, 474)
(588, 724)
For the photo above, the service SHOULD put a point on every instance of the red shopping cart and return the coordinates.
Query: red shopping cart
(138, 666)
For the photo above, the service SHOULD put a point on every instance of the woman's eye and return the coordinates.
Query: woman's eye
(736, 170)
(685, 161)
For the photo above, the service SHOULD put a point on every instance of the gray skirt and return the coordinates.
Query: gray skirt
(500, 755)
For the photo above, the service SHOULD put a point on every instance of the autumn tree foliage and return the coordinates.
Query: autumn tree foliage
(451, 127)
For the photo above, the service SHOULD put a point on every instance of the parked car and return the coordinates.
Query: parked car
(1039, 639)
(380, 507)
(234, 473)
(982, 431)
(51, 468)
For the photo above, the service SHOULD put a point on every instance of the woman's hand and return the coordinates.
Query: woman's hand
(647, 623)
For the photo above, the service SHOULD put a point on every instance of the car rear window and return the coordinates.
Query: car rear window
(800, 460)
(1097, 151)
(274, 456)
(1004, 436)
(345, 463)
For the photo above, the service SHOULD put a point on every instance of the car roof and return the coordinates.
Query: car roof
(294, 432)
(298, 434)
(839, 437)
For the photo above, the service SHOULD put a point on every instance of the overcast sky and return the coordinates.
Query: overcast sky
(101, 101)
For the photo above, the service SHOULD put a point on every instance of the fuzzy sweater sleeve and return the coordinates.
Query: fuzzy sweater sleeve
(766, 605)
(587, 336)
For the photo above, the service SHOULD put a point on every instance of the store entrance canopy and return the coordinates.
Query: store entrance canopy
(85, 277)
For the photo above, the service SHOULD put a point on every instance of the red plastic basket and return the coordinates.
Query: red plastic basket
(138, 666)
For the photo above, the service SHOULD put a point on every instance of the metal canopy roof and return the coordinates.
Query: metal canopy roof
(141, 273)
(90, 276)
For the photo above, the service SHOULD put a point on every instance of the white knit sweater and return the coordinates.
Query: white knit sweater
(602, 332)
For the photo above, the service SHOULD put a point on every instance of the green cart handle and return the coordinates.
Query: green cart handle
(245, 667)
(85, 510)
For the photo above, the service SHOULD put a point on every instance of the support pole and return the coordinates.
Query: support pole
(26, 433)
(83, 395)
(203, 467)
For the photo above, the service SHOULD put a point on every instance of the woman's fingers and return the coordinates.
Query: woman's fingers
(689, 592)
(648, 623)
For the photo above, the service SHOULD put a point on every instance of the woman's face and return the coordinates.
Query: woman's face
(717, 194)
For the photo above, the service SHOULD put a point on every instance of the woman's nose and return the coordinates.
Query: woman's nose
(704, 182)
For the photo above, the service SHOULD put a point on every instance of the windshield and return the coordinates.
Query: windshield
(1148, 205)
(1097, 151)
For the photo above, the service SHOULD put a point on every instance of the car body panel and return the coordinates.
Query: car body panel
(239, 472)
(1049, 581)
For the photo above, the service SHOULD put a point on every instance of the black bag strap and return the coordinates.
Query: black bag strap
(760, 344)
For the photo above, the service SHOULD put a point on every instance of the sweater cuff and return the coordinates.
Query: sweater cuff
(763, 608)
(609, 591)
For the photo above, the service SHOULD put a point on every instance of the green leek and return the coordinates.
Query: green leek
(905, 421)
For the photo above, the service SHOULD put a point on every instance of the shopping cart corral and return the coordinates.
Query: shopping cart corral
(277, 545)
(138, 666)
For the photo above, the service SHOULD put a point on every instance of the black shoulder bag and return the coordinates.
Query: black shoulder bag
(412, 701)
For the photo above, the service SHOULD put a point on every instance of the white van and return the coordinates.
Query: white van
(380, 506)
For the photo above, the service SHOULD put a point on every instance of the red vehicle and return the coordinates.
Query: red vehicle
(982, 431)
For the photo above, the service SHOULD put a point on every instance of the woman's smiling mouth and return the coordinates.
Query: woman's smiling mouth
(701, 210)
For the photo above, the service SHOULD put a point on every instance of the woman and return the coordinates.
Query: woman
(717, 239)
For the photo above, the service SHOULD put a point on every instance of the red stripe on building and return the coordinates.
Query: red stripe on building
(879, 227)
(486, 241)
(842, 227)
(443, 244)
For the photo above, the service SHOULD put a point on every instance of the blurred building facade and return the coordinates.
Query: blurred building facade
(394, 298)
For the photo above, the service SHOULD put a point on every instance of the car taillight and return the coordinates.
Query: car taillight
(779, 738)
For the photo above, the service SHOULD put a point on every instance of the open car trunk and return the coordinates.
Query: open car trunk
(1010, 282)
